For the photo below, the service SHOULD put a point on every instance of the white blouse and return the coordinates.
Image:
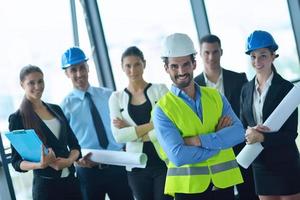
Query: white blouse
(118, 108)
(259, 99)
(219, 85)
(54, 126)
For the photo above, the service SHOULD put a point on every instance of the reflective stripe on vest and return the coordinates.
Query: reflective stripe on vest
(202, 170)
(187, 171)
(224, 166)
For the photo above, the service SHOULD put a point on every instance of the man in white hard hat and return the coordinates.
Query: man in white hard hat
(228, 83)
(196, 127)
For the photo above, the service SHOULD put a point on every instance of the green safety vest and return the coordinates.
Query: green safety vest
(221, 169)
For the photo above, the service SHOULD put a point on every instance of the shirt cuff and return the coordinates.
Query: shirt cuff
(126, 134)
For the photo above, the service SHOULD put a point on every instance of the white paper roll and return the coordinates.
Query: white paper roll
(282, 112)
(120, 158)
(248, 154)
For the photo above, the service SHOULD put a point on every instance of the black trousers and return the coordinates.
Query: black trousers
(148, 183)
(95, 183)
(219, 194)
(58, 189)
(246, 190)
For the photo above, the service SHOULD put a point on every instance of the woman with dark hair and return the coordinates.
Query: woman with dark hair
(277, 169)
(54, 175)
(130, 112)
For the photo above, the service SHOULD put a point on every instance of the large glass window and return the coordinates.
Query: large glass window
(234, 23)
(144, 24)
(34, 32)
(84, 43)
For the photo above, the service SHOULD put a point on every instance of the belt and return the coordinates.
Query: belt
(71, 175)
(101, 166)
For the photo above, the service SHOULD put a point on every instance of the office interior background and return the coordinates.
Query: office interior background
(37, 32)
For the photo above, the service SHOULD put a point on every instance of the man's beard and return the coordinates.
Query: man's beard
(182, 85)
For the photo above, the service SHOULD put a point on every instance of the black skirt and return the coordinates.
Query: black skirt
(277, 180)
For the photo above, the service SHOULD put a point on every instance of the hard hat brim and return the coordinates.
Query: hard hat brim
(272, 48)
(74, 63)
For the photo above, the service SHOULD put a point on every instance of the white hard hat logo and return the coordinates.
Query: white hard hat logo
(177, 45)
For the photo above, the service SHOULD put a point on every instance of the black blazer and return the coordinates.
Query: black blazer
(233, 83)
(60, 146)
(280, 147)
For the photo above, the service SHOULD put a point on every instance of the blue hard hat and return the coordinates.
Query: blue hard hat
(72, 56)
(260, 39)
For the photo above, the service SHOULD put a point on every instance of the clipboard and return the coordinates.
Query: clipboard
(26, 143)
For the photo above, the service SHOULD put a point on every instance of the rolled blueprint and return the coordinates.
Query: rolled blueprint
(277, 118)
(248, 154)
(286, 107)
(120, 158)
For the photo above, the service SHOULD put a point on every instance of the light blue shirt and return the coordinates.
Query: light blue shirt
(77, 110)
(173, 143)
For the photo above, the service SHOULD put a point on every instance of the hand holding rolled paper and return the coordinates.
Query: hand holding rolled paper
(254, 134)
(120, 158)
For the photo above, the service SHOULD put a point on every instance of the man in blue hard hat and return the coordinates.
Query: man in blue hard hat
(82, 107)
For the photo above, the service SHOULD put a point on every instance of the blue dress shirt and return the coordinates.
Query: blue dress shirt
(77, 110)
(173, 143)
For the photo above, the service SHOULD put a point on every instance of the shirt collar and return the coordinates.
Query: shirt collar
(218, 81)
(80, 94)
(268, 82)
(175, 90)
(178, 92)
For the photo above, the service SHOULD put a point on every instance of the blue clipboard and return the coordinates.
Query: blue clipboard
(26, 143)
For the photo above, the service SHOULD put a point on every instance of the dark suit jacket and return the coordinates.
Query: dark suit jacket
(60, 146)
(280, 147)
(233, 83)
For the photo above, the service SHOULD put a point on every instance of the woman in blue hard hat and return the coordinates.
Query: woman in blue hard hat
(54, 176)
(130, 111)
(277, 168)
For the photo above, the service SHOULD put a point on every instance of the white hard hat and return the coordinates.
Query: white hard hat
(177, 45)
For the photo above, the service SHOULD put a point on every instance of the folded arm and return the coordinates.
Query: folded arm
(173, 144)
(226, 137)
